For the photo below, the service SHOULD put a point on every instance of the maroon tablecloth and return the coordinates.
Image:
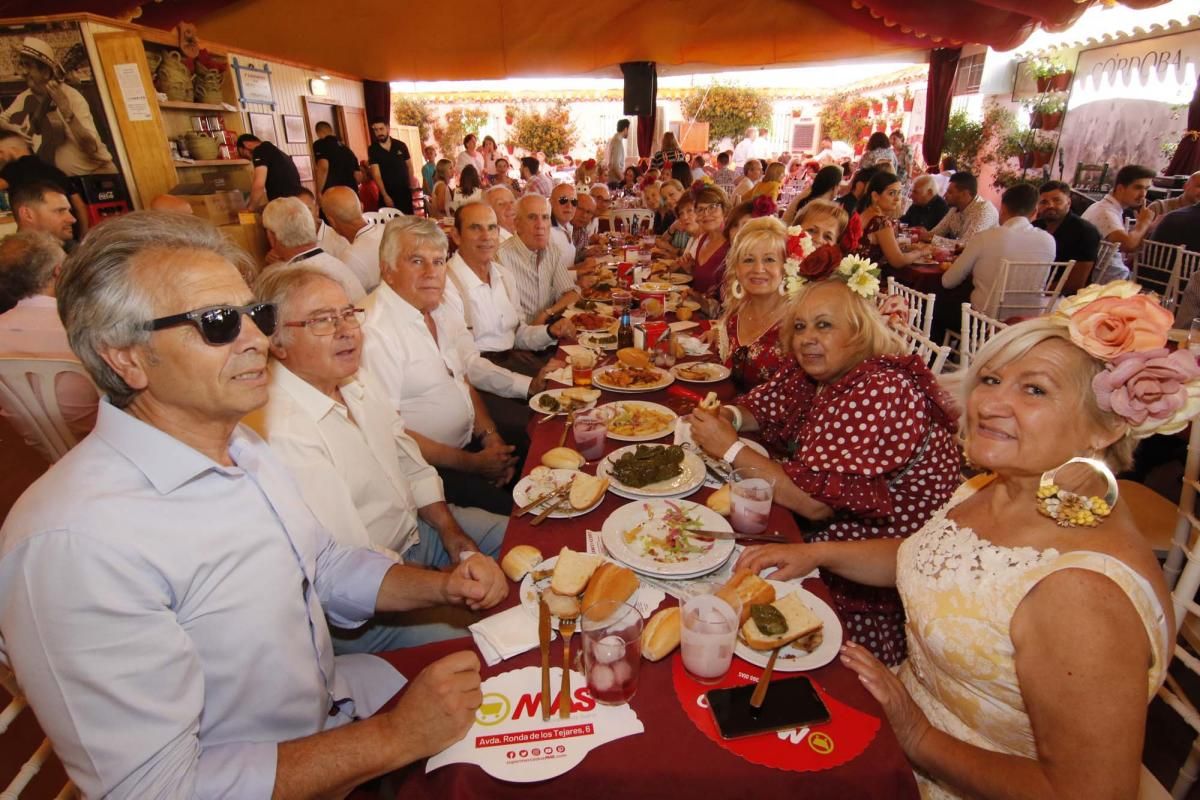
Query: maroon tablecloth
(672, 758)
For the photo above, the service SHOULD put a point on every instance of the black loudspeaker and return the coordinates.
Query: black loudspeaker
(641, 87)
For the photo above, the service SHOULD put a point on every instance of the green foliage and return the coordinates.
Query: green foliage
(454, 127)
(728, 110)
(964, 140)
(412, 111)
(842, 117)
(1047, 67)
(551, 131)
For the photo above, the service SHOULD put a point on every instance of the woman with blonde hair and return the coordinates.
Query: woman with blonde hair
(668, 154)
(1039, 624)
(771, 183)
(862, 438)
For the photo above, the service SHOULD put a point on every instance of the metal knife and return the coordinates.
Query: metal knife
(754, 537)
(544, 643)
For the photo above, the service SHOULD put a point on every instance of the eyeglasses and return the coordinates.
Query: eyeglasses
(220, 324)
(707, 207)
(562, 201)
(327, 324)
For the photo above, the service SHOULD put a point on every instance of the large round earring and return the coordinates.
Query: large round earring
(736, 291)
(1071, 510)
(783, 288)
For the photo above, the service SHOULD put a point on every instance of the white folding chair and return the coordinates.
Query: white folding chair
(1156, 267)
(1103, 256)
(632, 219)
(933, 354)
(40, 755)
(1189, 264)
(1027, 288)
(920, 305)
(27, 392)
(383, 215)
(977, 328)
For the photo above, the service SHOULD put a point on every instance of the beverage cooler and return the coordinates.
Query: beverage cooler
(105, 196)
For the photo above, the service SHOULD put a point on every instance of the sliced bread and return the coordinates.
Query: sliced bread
(572, 571)
(801, 621)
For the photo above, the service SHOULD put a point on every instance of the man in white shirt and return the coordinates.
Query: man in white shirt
(745, 149)
(293, 240)
(187, 651)
(603, 198)
(344, 212)
(328, 239)
(504, 203)
(426, 360)
(1108, 215)
(614, 160)
(536, 181)
(1014, 240)
(360, 472)
(949, 166)
(537, 264)
(563, 202)
(969, 214)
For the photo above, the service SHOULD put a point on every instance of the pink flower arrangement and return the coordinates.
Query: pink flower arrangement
(1110, 326)
(1150, 389)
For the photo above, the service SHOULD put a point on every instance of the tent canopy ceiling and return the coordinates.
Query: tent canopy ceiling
(522, 38)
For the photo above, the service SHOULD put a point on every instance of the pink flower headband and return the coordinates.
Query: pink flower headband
(1153, 389)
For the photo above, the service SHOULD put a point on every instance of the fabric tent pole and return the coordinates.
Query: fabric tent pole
(940, 91)
(1187, 156)
(377, 98)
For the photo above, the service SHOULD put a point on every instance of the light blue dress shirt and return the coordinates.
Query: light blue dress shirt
(165, 615)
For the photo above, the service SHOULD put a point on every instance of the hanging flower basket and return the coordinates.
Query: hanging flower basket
(1026, 160)
(864, 131)
(1041, 158)
(1043, 84)
(1060, 83)
(881, 125)
(508, 119)
(510, 148)
(1051, 120)
(876, 107)
(859, 148)
(891, 106)
(909, 102)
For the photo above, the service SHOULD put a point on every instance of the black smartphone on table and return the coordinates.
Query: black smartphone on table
(790, 703)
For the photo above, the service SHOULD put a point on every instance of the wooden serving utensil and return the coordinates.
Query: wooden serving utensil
(566, 629)
(760, 691)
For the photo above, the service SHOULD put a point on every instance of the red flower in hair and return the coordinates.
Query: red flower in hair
(590, 163)
(852, 236)
(697, 187)
(763, 207)
(821, 262)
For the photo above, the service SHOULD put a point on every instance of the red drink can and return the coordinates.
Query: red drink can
(625, 273)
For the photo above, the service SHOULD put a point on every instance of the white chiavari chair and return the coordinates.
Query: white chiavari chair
(1103, 257)
(920, 305)
(1189, 265)
(1027, 288)
(40, 755)
(1156, 267)
(631, 219)
(933, 354)
(977, 328)
(383, 215)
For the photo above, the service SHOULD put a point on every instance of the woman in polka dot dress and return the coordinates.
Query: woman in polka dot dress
(863, 440)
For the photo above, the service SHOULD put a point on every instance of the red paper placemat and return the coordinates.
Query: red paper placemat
(808, 749)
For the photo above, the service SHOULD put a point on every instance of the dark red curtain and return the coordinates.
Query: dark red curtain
(645, 133)
(942, 64)
(377, 99)
(1187, 156)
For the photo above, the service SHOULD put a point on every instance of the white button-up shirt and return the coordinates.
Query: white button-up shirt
(331, 241)
(360, 472)
(334, 268)
(362, 255)
(979, 215)
(428, 381)
(166, 614)
(1015, 240)
(487, 310)
(1108, 216)
(537, 278)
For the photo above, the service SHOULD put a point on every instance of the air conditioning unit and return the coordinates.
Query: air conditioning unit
(804, 136)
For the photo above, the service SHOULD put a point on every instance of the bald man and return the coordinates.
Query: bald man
(172, 204)
(563, 202)
(344, 212)
(538, 264)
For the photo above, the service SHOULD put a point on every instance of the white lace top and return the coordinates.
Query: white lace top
(960, 593)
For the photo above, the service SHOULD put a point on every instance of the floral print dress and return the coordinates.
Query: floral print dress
(878, 447)
(755, 363)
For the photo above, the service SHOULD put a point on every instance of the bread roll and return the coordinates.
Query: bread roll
(520, 560)
(711, 402)
(661, 634)
(609, 582)
(561, 606)
(572, 571)
(586, 490)
(563, 458)
(746, 588)
(632, 357)
(721, 501)
(801, 622)
(581, 395)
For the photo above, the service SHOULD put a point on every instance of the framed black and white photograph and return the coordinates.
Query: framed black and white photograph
(293, 129)
(263, 126)
(304, 167)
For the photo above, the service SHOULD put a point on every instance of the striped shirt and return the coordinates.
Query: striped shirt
(538, 278)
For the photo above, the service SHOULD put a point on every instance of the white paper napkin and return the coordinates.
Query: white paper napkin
(683, 431)
(561, 375)
(693, 346)
(683, 325)
(506, 634)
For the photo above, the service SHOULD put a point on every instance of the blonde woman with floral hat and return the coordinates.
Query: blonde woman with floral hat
(1039, 623)
(862, 439)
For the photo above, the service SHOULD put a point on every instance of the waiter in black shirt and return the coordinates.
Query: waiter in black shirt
(391, 168)
(274, 173)
(336, 163)
(1074, 237)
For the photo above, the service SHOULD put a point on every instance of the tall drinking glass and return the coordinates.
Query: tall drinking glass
(752, 491)
(708, 634)
(612, 651)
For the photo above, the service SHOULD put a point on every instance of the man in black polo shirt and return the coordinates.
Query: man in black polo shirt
(335, 162)
(1074, 237)
(391, 168)
(274, 173)
(20, 167)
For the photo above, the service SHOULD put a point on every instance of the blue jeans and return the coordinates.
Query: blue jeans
(422, 626)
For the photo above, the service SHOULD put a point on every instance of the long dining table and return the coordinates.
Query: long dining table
(672, 757)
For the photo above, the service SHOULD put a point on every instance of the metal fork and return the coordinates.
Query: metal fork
(566, 629)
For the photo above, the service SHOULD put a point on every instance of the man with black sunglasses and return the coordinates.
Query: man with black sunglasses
(186, 581)
(563, 202)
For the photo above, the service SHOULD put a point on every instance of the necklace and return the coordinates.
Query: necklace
(760, 322)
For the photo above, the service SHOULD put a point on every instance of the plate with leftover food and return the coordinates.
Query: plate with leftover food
(542, 481)
(639, 421)
(601, 340)
(808, 652)
(653, 537)
(652, 470)
(592, 321)
(624, 378)
(700, 372)
(563, 401)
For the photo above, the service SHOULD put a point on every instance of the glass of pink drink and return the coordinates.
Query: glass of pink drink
(590, 430)
(752, 491)
(708, 633)
(612, 651)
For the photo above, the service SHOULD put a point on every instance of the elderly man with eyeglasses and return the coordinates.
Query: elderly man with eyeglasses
(164, 588)
(360, 472)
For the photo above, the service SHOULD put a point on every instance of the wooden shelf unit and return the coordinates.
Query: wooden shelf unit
(179, 105)
(211, 162)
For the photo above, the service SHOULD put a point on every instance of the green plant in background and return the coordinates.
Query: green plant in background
(450, 132)
(1046, 67)
(413, 111)
(1050, 104)
(842, 118)
(964, 141)
(728, 110)
(550, 131)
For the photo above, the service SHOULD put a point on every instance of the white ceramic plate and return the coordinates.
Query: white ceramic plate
(713, 372)
(683, 484)
(599, 325)
(655, 287)
(635, 556)
(657, 433)
(528, 489)
(791, 659)
(646, 598)
(588, 339)
(665, 379)
(556, 394)
(679, 278)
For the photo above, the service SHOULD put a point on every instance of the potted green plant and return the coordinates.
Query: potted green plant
(897, 122)
(1047, 113)
(860, 107)
(881, 124)
(909, 100)
(1050, 73)
(864, 131)
(892, 103)
(1043, 149)
(510, 114)
(876, 105)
